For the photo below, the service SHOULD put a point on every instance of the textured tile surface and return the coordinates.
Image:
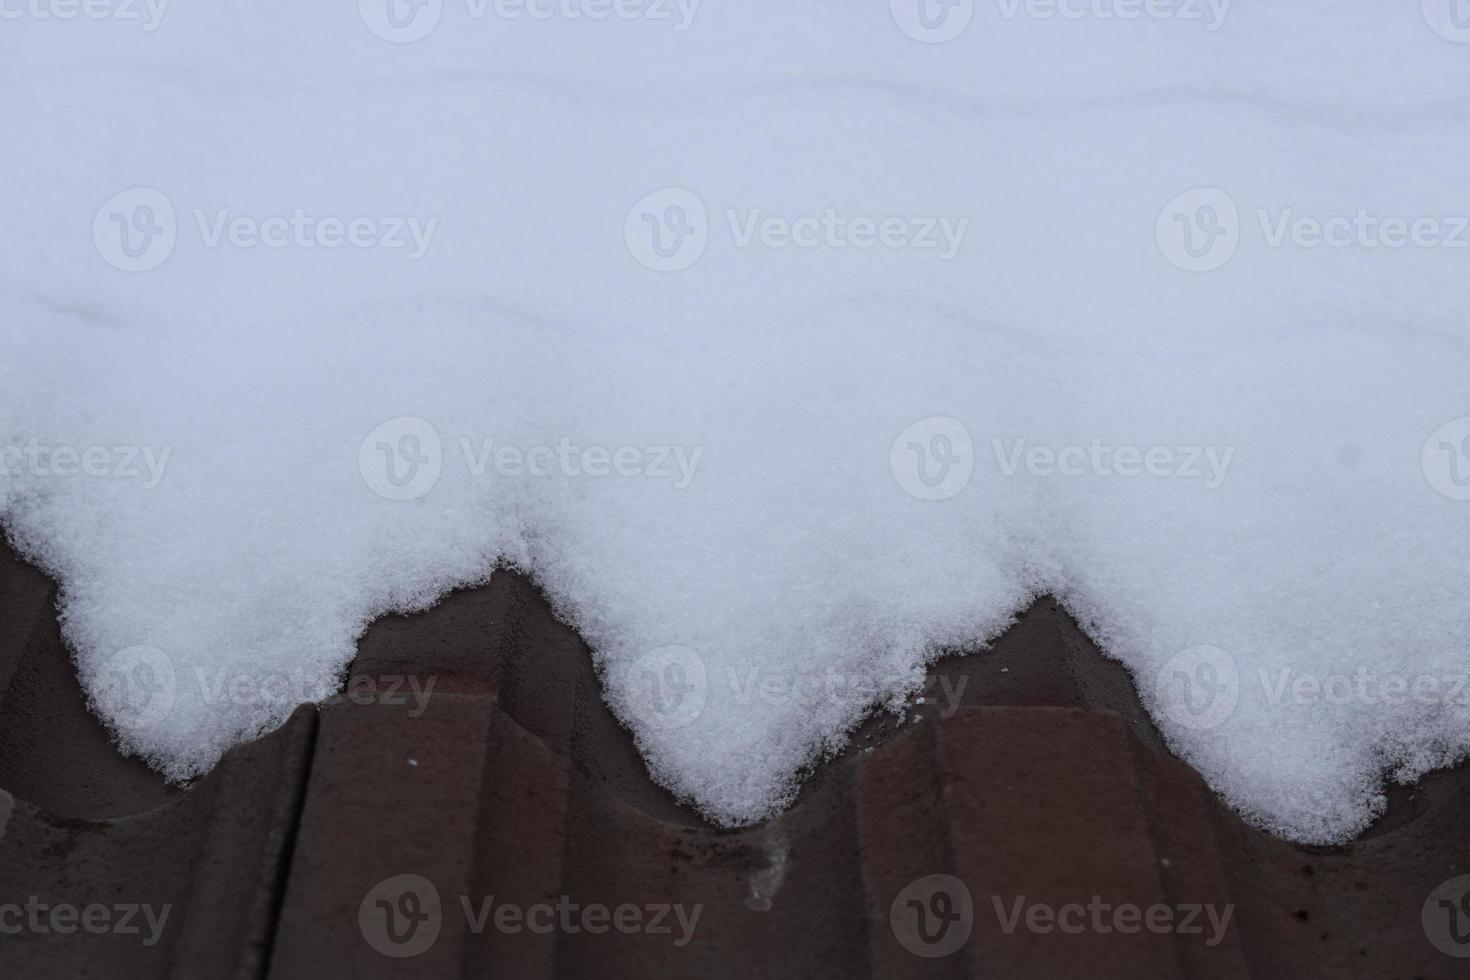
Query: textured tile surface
(506, 807)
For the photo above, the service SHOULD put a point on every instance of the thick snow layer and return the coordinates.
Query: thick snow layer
(787, 345)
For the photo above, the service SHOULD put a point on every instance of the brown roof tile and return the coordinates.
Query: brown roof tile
(514, 780)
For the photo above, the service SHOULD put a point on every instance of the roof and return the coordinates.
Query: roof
(351, 835)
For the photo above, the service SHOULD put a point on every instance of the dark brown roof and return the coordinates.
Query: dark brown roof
(517, 782)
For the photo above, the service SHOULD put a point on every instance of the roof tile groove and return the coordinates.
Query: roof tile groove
(512, 779)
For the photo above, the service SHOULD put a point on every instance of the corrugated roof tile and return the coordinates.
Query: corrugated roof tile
(363, 830)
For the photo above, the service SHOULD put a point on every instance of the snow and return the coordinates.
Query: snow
(788, 346)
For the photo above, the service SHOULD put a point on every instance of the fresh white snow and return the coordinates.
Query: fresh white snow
(785, 344)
